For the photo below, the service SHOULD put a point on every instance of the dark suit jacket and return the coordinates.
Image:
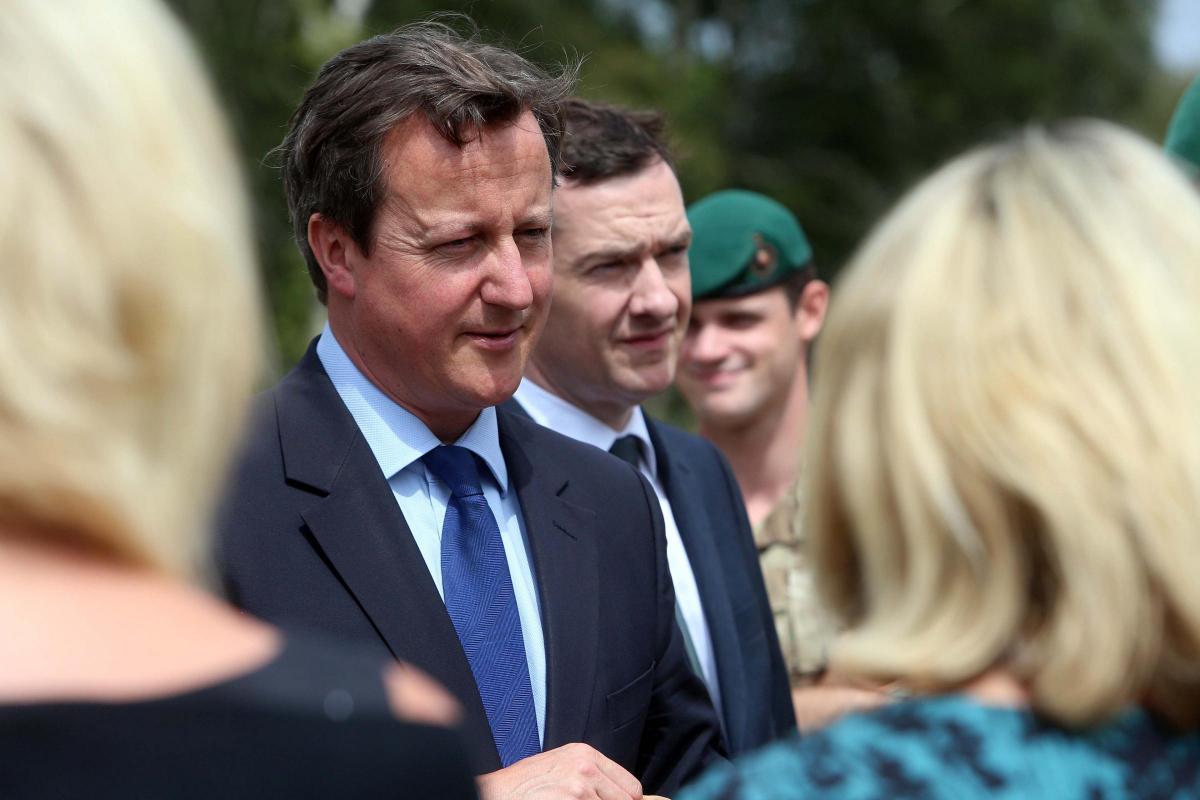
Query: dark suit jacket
(756, 699)
(756, 696)
(310, 534)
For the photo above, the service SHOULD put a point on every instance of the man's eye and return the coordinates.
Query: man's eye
(534, 233)
(674, 257)
(741, 321)
(456, 244)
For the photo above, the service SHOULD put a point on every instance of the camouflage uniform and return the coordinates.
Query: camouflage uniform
(743, 243)
(805, 630)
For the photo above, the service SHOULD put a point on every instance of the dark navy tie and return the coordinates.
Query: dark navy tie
(629, 448)
(479, 596)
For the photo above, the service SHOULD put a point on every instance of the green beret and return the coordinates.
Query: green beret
(1183, 135)
(743, 242)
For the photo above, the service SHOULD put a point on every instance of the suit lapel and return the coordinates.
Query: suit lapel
(513, 407)
(561, 541)
(357, 525)
(367, 541)
(685, 493)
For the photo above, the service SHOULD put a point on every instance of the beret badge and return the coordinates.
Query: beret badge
(766, 257)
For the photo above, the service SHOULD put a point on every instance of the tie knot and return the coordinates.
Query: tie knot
(455, 466)
(628, 448)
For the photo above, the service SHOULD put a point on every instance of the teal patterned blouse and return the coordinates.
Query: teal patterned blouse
(955, 748)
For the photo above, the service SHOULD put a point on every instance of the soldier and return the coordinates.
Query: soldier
(757, 307)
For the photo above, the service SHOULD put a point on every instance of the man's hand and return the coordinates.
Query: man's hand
(570, 772)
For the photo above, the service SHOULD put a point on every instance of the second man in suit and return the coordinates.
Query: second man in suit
(621, 301)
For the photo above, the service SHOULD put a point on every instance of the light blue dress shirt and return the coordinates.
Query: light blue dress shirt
(399, 440)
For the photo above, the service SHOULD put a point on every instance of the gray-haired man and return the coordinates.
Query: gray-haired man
(382, 497)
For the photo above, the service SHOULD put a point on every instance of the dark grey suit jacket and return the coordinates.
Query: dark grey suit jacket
(756, 699)
(756, 696)
(310, 535)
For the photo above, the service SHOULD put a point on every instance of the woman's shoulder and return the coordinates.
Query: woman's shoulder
(313, 721)
(303, 676)
(312, 674)
(870, 754)
(952, 746)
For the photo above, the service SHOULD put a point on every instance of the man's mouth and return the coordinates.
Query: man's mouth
(653, 340)
(495, 338)
(714, 377)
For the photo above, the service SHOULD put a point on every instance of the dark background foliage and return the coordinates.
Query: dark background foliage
(832, 106)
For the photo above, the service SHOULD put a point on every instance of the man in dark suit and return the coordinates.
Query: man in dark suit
(382, 498)
(621, 301)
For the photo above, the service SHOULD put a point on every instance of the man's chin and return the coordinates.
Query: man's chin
(640, 387)
(498, 389)
(652, 376)
(719, 414)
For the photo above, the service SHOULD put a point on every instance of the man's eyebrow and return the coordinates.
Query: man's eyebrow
(465, 227)
(431, 228)
(542, 219)
(683, 239)
(616, 254)
(623, 254)
(441, 230)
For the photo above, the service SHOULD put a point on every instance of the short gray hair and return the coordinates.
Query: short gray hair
(331, 154)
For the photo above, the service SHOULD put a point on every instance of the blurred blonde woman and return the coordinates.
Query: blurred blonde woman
(1004, 485)
(129, 340)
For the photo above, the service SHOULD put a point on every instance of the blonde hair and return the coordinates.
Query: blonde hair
(1004, 463)
(129, 319)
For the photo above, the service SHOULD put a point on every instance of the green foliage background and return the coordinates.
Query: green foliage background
(832, 106)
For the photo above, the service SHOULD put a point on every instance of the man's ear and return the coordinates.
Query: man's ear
(810, 311)
(336, 253)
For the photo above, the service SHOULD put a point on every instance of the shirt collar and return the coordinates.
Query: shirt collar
(395, 435)
(551, 411)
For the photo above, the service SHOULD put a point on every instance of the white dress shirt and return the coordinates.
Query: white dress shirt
(553, 412)
(399, 440)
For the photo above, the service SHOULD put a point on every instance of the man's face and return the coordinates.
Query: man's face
(740, 356)
(622, 291)
(443, 313)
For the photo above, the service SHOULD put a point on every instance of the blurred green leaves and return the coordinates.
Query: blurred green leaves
(832, 106)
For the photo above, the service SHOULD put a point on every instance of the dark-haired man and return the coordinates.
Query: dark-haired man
(383, 499)
(757, 306)
(621, 300)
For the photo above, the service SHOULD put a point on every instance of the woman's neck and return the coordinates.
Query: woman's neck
(998, 687)
(79, 626)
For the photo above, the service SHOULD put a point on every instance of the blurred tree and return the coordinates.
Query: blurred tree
(832, 106)
(262, 54)
(838, 105)
(620, 63)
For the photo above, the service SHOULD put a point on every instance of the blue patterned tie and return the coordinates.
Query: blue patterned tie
(479, 596)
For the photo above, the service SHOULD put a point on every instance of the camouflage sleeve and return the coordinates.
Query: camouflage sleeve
(805, 629)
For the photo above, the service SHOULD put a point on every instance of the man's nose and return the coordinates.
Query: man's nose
(507, 281)
(703, 344)
(652, 295)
